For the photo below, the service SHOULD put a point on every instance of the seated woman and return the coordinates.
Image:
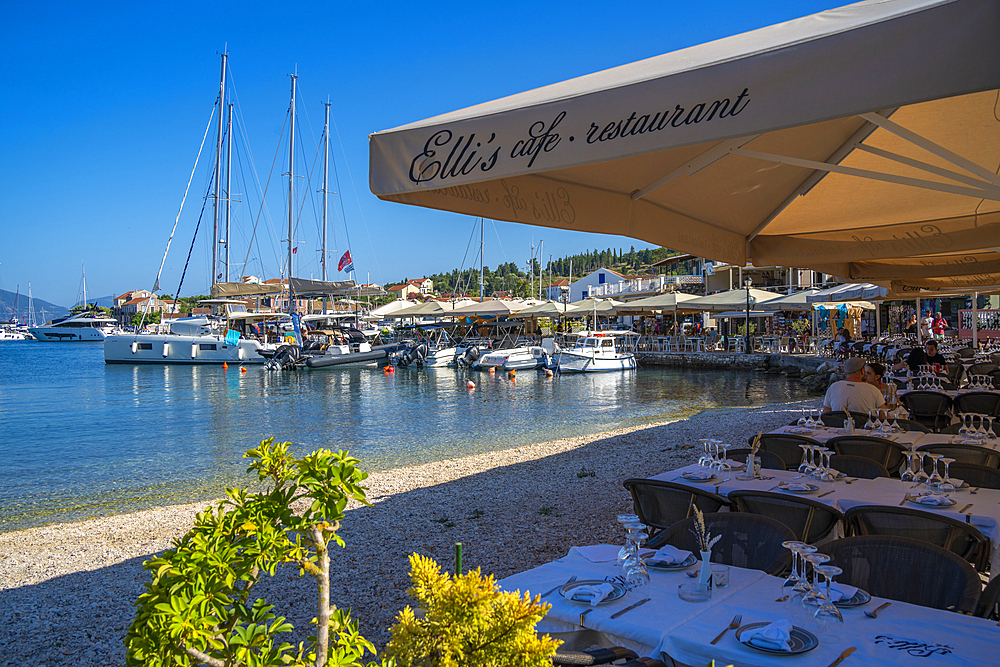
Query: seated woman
(917, 358)
(874, 372)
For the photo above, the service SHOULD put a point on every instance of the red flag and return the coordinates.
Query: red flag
(295, 250)
(344, 261)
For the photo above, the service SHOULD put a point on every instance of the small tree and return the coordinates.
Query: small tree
(199, 607)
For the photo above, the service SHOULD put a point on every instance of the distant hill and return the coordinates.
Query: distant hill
(44, 311)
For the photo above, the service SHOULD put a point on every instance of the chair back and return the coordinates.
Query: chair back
(767, 459)
(982, 368)
(747, 540)
(660, 504)
(930, 408)
(982, 476)
(962, 539)
(858, 466)
(910, 425)
(989, 601)
(809, 519)
(786, 446)
(966, 353)
(974, 454)
(908, 570)
(885, 452)
(980, 402)
(836, 418)
(955, 373)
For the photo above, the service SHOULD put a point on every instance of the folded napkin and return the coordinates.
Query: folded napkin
(592, 594)
(933, 499)
(774, 636)
(698, 474)
(669, 555)
(795, 486)
(839, 592)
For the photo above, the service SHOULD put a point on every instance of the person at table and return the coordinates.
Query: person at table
(852, 393)
(873, 374)
(911, 326)
(918, 357)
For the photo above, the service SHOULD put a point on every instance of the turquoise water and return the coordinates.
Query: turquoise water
(84, 439)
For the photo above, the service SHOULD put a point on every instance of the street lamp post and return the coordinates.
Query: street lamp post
(746, 344)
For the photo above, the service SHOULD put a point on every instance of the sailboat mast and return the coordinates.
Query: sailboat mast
(218, 172)
(291, 201)
(229, 183)
(541, 244)
(482, 234)
(83, 268)
(326, 183)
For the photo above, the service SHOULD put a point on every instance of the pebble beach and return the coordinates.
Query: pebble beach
(66, 590)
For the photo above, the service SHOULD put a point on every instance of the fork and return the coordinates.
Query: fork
(874, 612)
(737, 619)
(553, 590)
(908, 496)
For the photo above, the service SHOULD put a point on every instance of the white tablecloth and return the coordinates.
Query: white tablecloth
(913, 439)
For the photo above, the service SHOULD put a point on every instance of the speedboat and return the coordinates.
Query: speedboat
(73, 328)
(598, 352)
(525, 357)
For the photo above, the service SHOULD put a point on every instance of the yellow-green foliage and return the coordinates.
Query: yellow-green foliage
(467, 621)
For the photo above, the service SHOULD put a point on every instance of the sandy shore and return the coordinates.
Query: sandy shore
(66, 591)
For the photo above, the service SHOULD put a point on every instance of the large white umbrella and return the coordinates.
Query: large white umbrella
(493, 308)
(658, 303)
(847, 292)
(794, 301)
(859, 142)
(729, 300)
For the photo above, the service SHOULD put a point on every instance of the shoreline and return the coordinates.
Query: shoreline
(66, 590)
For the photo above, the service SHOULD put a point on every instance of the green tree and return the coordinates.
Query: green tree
(150, 318)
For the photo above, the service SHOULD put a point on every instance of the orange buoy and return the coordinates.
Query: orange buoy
(512, 373)
(493, 369)
(470, 384)
(225, 365)
(548, 372)
(242, 370)
(388, 370)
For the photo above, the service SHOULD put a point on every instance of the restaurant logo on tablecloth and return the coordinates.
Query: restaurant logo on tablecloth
(915, 648)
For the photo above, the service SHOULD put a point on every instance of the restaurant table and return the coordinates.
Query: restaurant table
(952, 393)
(913, 439)
(673, 630)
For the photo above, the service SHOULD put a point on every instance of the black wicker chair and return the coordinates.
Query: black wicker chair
(810, 520)
(836, 418)
(966, 353)
(980, 402)
(989, 601)
(930, 408)
(858, 466)
(982, 368)
(982, 476)
(955, 373)
(601, 656)
(748, 540)
(767, 459)
(908, 570)
(962, 539)
(950, 429)
(910, 425)
(786, 446)
(883, 451)
(974, 454)
(660, 505)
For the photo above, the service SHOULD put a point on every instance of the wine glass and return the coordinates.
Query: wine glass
(793, 575)
(827, 614)
(935, 477)
(815, 595)
(921, 475)
(806, 464)
(706, 458)
(803, 550)
(963, 429)
(907, 475)
(946, 483)
(725, 464)
(895, 428)
(636, 574)
(870, 424)
(624, 520)
(990, 433)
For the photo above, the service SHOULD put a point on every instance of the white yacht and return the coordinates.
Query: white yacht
(86, 326)
(525, 357)
(597, 352)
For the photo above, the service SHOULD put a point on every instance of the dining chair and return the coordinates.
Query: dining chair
(974, 454)
(955, 373)
(858, 466)
(930, 408)
(767, 459)
(960, 538)
(786, 446)
(747, 540)
(811, 520)
(966, 353)
(989, 601)
(661, 504)
(910, 425)
(836, 418)
(975, 475)
(980, 402)
(982, 368)
(907, 570)
(598, 656)
(883, 451)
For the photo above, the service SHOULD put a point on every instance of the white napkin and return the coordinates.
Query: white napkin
(840, 592)
(934, 499)
(669, 555)
(698, 474)
(598, 553)
(592, 594)
(795, 486)
(774, 636)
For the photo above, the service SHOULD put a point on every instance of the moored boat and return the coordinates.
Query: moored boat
(598, 352)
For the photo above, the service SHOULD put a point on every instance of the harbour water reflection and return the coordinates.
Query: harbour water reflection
(85, 439)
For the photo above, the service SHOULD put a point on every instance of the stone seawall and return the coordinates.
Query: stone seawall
(805, 364)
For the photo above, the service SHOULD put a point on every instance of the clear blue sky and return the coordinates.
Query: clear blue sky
(103, 107)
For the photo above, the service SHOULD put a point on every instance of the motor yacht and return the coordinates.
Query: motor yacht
(598, 352)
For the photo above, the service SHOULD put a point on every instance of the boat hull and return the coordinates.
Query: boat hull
(68, 334)
(174, 349)
(570, 362)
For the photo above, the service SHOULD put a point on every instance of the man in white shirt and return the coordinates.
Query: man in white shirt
(853, 394)
(925, 326)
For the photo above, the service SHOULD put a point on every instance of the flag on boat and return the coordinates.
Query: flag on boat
(295, 250)
(345, 263)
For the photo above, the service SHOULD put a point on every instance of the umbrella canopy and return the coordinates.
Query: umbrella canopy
(653, 304)
(731, 300)
(848, 292)
(431, 309)
(393, 307)
(796, 301)
(604, 307)
(861, 305)
(493, 308)
(859, 142)
(545, 309)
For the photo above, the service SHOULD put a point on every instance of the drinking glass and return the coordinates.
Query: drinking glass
(907, 475)
(921, 475)
(990, 433)
(870, 424)
(946, 483)
(793, 576)
(935, 477)
(964, 428)
(706, 458)
(895, 428)
(815, 595)
(636, 574)
(803, 550)
(806, 464)
(625, 520)
(725, 464)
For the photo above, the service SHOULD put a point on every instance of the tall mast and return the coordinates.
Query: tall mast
(541, 254)
(482, 234)
(83, 268)
(218, 172)
(326, 183)
(229, 183)
(291, 202)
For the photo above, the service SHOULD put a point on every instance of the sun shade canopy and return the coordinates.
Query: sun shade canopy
(861, 142)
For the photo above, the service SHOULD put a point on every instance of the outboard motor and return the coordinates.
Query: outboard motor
(285, 357)
(470, 357)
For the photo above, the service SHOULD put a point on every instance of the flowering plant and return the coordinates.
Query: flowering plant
(705, 539)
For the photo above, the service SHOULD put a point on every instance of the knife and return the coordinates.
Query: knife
(629, 608)
(843, 655)
(824, 494)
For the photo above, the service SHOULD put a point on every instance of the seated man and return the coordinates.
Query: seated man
(917, 358)
(853, 394)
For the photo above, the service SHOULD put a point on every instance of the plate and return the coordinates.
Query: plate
(567, 591)
(916, 499)
(800, 639)
(811, 488)
(695, 477)
(860, 598)
(687, 562)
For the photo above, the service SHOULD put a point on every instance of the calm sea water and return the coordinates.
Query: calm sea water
(81, 438)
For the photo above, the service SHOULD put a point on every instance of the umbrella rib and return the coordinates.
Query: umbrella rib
(710, 156)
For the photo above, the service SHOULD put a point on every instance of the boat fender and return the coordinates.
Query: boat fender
(493, 369)
(470, 384)
(512, 372)
(388, 370)
(225, 365)
(548, 372)
(242, 370)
